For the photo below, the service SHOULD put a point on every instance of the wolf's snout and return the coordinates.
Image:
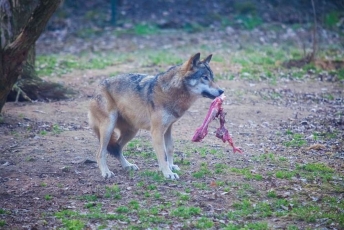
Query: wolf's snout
(221, 91)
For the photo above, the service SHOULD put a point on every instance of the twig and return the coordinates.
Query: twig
(20, 91)
(315, 26)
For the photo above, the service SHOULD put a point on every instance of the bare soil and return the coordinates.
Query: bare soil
(47, 149)
(34, 165)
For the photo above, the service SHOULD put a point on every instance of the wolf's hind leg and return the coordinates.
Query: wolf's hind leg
(116, 145)
(106, 129)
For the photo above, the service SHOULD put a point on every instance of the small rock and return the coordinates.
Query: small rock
(304, 123)
(6, 163)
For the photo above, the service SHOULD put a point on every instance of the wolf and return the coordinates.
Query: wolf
(124, 104)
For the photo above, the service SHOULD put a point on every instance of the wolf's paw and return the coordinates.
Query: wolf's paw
(170, 175)
(131, 167)
(174, 167)
(107, 174)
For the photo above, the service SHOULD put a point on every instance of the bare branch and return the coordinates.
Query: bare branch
(315, 26)
(33, 29)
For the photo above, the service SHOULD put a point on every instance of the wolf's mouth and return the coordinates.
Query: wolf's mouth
(208, 95)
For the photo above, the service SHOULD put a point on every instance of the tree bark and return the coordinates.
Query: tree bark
(15, 46)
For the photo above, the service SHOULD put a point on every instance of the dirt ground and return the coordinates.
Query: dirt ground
(47, 150)
(34, 164)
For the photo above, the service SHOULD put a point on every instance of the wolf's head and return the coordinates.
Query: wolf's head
(199, 78)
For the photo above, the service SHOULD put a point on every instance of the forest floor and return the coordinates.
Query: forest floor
(289, 123)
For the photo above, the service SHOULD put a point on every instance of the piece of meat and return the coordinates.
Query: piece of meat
(215, 111)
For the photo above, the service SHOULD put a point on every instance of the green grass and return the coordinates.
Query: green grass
(204, 223)
(47, 65)
(331, 19)
(56, 129)
(317, 167)
(249, 22)
(247, 173)
(161, 58)
(316, 170)
(157, 202)
(2, 223)
(186, 212)
(48, 197)
(145, 29)
(43, 132)
(89, 197)
(43, 184)
(297, 140)
(73, 224)
(285, 174)
(113, 192)
(155, 176)
(202, 172)
(248, 226)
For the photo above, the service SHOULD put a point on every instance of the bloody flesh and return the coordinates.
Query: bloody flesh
(215, 111)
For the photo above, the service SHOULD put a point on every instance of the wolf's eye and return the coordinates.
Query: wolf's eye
(205, 78)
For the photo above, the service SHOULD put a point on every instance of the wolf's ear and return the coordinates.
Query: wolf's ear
(207, 59)
(193, 61)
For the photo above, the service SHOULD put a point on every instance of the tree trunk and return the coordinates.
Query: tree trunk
(19, 30)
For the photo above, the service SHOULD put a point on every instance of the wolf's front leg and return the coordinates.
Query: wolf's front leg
(169, 149)
(160, 150)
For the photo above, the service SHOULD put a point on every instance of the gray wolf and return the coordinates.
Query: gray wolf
(129, 102)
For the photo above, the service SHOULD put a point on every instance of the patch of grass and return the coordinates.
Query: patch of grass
(247, 173)
(331, 19)
(56, 129)
(285, 174)
(47, 65)
(162, 58)
(265, 157)
(249, 22)
(186, 212)
(145, 29)
(134, 204)
(316, 167)
(73, 224)
(241, 209)
(88, 197)
(2, 223)
(283, 159)
(48, 197)
(220, 168)
(292, 227)
(113, 192)
(43, 184)
(184, 197)
(90, 205)
(248, 226)
(3, 211)
(316, 170)
(204, 223)
(200, 185)
(245, 7)
(271, 194)
(43, 132)
(122, 209)
(202, 172)
(155, 176)
(307, 213)
(193, 27)
(296, 141)
(340, 74)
